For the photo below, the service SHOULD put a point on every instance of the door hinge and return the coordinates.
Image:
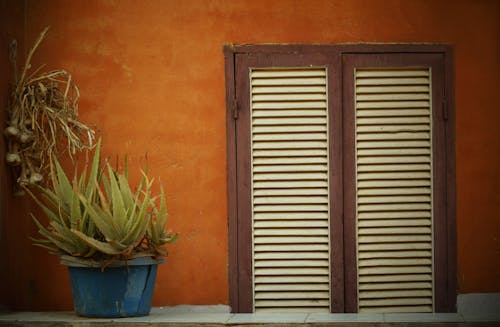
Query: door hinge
(445, 110)
(235, 108)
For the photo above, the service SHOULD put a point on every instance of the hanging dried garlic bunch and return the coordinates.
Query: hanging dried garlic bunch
(43, 119)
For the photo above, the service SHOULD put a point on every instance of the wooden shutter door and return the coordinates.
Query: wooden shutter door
(341, 178)
(397, 180)
(289, 149)
(287, 163)
(394, 193)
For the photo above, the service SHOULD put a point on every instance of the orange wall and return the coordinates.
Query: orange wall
(151, 74)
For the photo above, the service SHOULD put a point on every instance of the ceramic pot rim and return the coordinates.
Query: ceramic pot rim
(77, 262)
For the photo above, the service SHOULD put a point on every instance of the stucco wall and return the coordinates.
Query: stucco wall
(151, 74)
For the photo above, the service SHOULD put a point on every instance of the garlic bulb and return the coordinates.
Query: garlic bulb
(36, 178)
(26, 137)
(13, 159)
(11, 131)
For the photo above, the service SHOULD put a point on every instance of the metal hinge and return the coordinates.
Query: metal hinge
(445, 110)
(235, 108)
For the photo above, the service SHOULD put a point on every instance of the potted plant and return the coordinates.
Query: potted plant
(110, 236)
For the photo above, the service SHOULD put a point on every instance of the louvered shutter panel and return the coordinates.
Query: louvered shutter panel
(394, 190)
(290, 212)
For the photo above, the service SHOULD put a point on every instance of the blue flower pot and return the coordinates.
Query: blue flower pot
(123, 289)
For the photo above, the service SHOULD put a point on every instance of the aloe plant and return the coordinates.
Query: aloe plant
(101, 218)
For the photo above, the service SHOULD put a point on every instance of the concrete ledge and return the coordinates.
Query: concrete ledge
(220, 316)
(473, 310)
(479, 306)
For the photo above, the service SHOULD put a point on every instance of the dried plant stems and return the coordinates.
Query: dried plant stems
(43, 121)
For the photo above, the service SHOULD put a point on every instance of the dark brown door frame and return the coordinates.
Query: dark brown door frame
(343, 280)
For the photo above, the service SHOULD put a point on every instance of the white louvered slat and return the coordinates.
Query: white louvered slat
(398, 285)
(285, 281)
(289, 113)
(290, 247)
(388, 105)
(290, 199)
(394, 193)
(291, 287)
(293, 90)
(288, 73)
(392, 254)
(295, 105)
(392, 89)
(289, 168)
(290, 137)
(291, 121)
(270, 216)
(392, 97)
(395, 136)
(392, 80)
(391, 73)
(277, 192)
(288, 80)
(290, 231)
(293, 255)
(290, 240)
(272, 130)
(290, 145)
(289, 148)
(287, 96)
(289, 153)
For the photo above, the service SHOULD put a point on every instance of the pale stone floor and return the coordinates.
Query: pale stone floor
(219, 316)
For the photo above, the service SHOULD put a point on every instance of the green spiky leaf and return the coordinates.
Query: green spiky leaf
(101, 217)
(103, 247)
